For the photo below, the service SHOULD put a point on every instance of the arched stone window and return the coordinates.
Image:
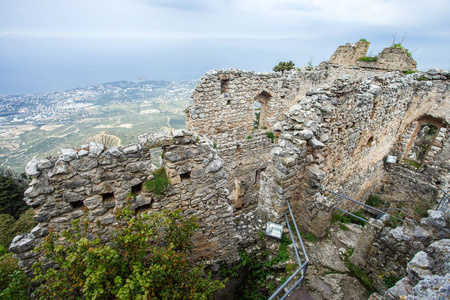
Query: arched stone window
(260, 110)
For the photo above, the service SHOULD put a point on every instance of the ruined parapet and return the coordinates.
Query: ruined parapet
(96, 180)
(391, 59)
(347, 55)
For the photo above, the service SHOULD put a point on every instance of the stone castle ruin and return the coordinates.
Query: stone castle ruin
(256, 140)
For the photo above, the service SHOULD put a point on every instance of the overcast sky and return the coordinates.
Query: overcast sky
(50, 45)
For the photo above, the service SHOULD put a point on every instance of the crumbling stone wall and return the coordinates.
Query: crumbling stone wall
(386, 251)
(98, 179)
(390, 59)
(347, 55)
(339, 135)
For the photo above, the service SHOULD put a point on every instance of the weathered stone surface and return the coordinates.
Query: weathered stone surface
(31, 169)
(22, 243)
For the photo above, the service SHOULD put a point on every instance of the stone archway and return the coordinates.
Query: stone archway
(423, 141)
(260, 108)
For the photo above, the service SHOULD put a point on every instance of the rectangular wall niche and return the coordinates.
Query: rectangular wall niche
(77, 204)
(185, 176)
(224, 85)
(136, 189)
(108, 197)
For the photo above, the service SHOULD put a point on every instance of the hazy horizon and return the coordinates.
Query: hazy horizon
(49, 45)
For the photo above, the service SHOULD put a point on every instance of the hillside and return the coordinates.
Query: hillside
(41, 124)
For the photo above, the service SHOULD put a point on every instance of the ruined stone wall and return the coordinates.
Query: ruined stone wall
(339, 135)
(384, 250)
(348, 54)
(98, 179)
(223, 101)
(390, 59)
(245, 161)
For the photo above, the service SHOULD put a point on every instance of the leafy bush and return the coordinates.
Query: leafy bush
(339, 217)
(283, 66)
(11, 197)
(146, 258)
(362, 40)
(368, 58)
(9, 227)
(270, 135)
(374, 200)
(159, 183)
(390, 281)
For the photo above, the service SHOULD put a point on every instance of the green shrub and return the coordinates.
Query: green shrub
(308, 237)
(270, 135)
(9, 227)
(146, 258)
(11, 197)
(283, 66)
(412, 163)
(159, 183)
(409, 72)
(368, 58)
(374, 200)
(345, 218)
(362, 40)
(422, 78)
(249, 137)
(390, 281)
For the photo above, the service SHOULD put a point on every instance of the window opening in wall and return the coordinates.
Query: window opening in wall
(143, 208)
(256, 114)
(185, 176)
(425, 136)
(259, 110)
(258, 175)
(238, 149)
(136, 189)
(224, 85)
(77, 204)
(156, 154)
(107, 197)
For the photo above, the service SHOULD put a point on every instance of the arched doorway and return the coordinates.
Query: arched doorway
(260, 106)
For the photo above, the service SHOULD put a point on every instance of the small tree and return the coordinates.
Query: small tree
(283, 66)
(146, 258)
(11, 197)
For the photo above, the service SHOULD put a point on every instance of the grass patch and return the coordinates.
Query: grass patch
(390, 281)
(368, 58)
(346, 219)
(270, 135)
(374, 200)
(422, 78)
(412, 163)
(158, 184)
(343, 227)
(309, 237)
(410, 72)
(358, 273)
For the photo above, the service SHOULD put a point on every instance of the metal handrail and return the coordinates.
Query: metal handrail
(302, 267)
(444, 198)
(363, 204)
